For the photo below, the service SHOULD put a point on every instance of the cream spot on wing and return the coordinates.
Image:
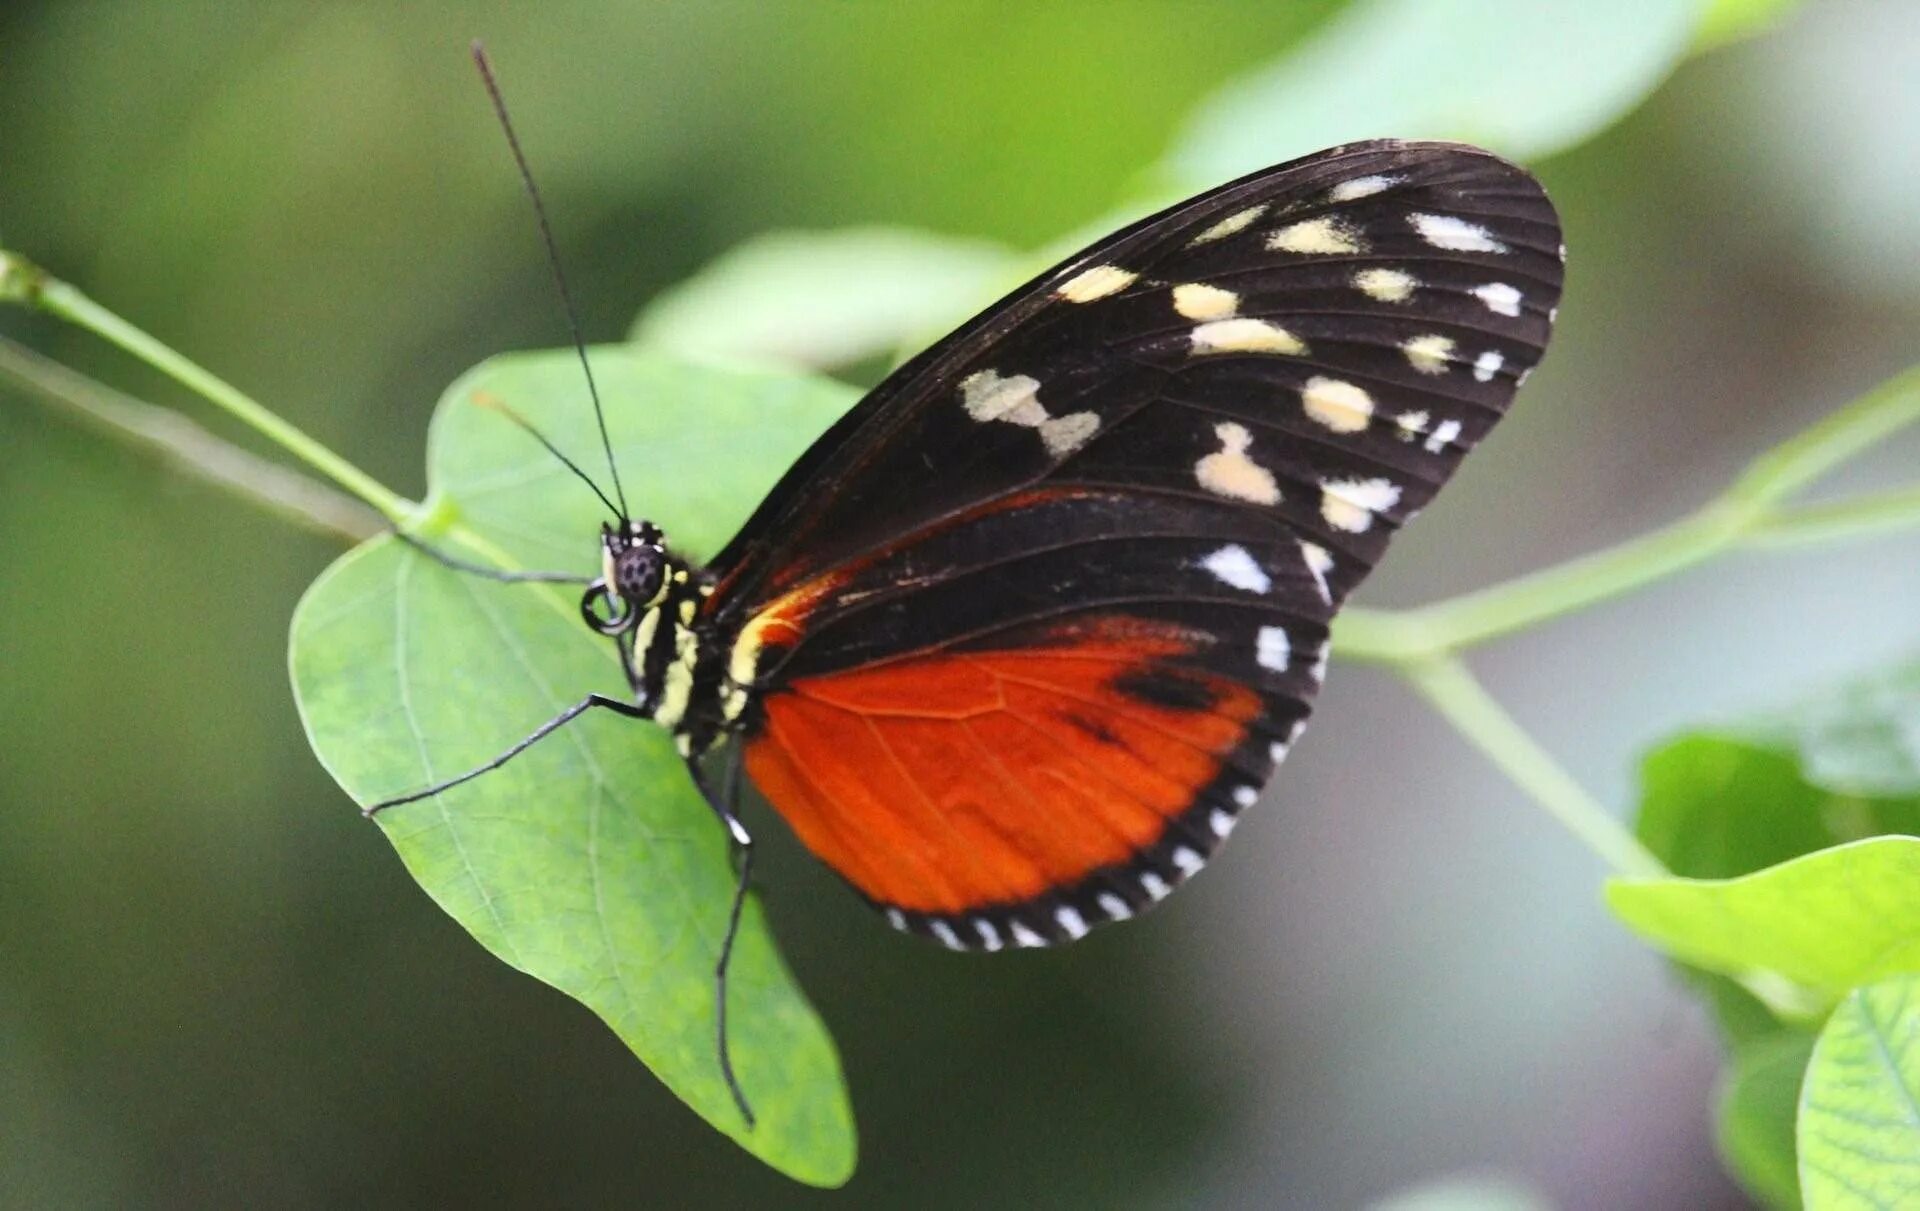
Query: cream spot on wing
(1500, 298)
(1454, 234)
(1410, 424)
(1360, 187)
(1245, 336)
(1229, 472)
(1386, 285)
(1428, 353)
(1233, 224)
(987, 396)
(1065, 434)
(1322, 236)
(1232, 565)
(1443, 434)
(1339, 405)
(1319, 563)
(1352, 504)
(1015, 399)
(1096, 283)
(1273, 649)
(1199, 301)
(1487, 365)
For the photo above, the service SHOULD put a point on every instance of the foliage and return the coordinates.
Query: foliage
(1776, 861)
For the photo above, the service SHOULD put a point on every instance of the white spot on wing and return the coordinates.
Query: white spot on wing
(1229, 472)
(1410, 424)
(1360, 187)
(1319, 563)
(1428, 353)
(1015, 399)
(1340, 406)
(1199, 301)
(1245, 336)
(1386, 285)
(1246, 796)
(1443, 433)
(1487, 365)
(986, 395)
(1232, 565)
(1454, 234)
(1221, 822)
(1273, 649)
(1352, 504)
(1096, 283)
(1500, 298)
(1155, 885)
(1115, 908)
(1321, 237)
(1188, 861)
(948, 938)
(988, 934)
(1070, 920)
(1233, 224)
(896, 918)
(1063, 435)
(1026, 937)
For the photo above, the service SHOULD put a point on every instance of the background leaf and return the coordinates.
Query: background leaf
(1754, 1118)
(590, 862)
(1859, 1128)
(1522, 78)
(1830, 920)
(1726, 21)
(824, 299)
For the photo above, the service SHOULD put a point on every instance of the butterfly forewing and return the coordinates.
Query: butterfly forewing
(1025, 632)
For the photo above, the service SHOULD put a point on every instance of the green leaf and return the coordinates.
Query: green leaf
(1727, 21)
(1859, 1127)
(589, 862)
(1829, 920)
(1759, 1097)
(1523, 78)
(825, 299)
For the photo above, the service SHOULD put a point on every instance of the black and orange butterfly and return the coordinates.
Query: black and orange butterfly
(1014, 643)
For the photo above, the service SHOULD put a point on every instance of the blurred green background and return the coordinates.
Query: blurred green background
(217, 985)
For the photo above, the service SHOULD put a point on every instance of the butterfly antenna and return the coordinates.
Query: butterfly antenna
(481, 61)
(495, 404)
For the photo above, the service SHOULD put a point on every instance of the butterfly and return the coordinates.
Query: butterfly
(1013, 645)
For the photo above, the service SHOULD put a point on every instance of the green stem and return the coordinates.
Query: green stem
(1747, 513)
(1451, 689)
(304, 501)
(22, 282)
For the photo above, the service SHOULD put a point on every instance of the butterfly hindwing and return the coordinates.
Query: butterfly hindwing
(1024, 632)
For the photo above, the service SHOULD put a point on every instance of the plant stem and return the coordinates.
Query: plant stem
(1451, 689)
(293, 496)
(1747, 513)
(20, 281)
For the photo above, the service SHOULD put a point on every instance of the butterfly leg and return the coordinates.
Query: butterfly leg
(726, 806)
(480, 569)
(590, 702)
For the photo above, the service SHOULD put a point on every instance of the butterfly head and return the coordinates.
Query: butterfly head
(634, 568)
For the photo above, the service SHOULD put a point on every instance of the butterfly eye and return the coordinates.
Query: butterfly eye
(638, 573)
